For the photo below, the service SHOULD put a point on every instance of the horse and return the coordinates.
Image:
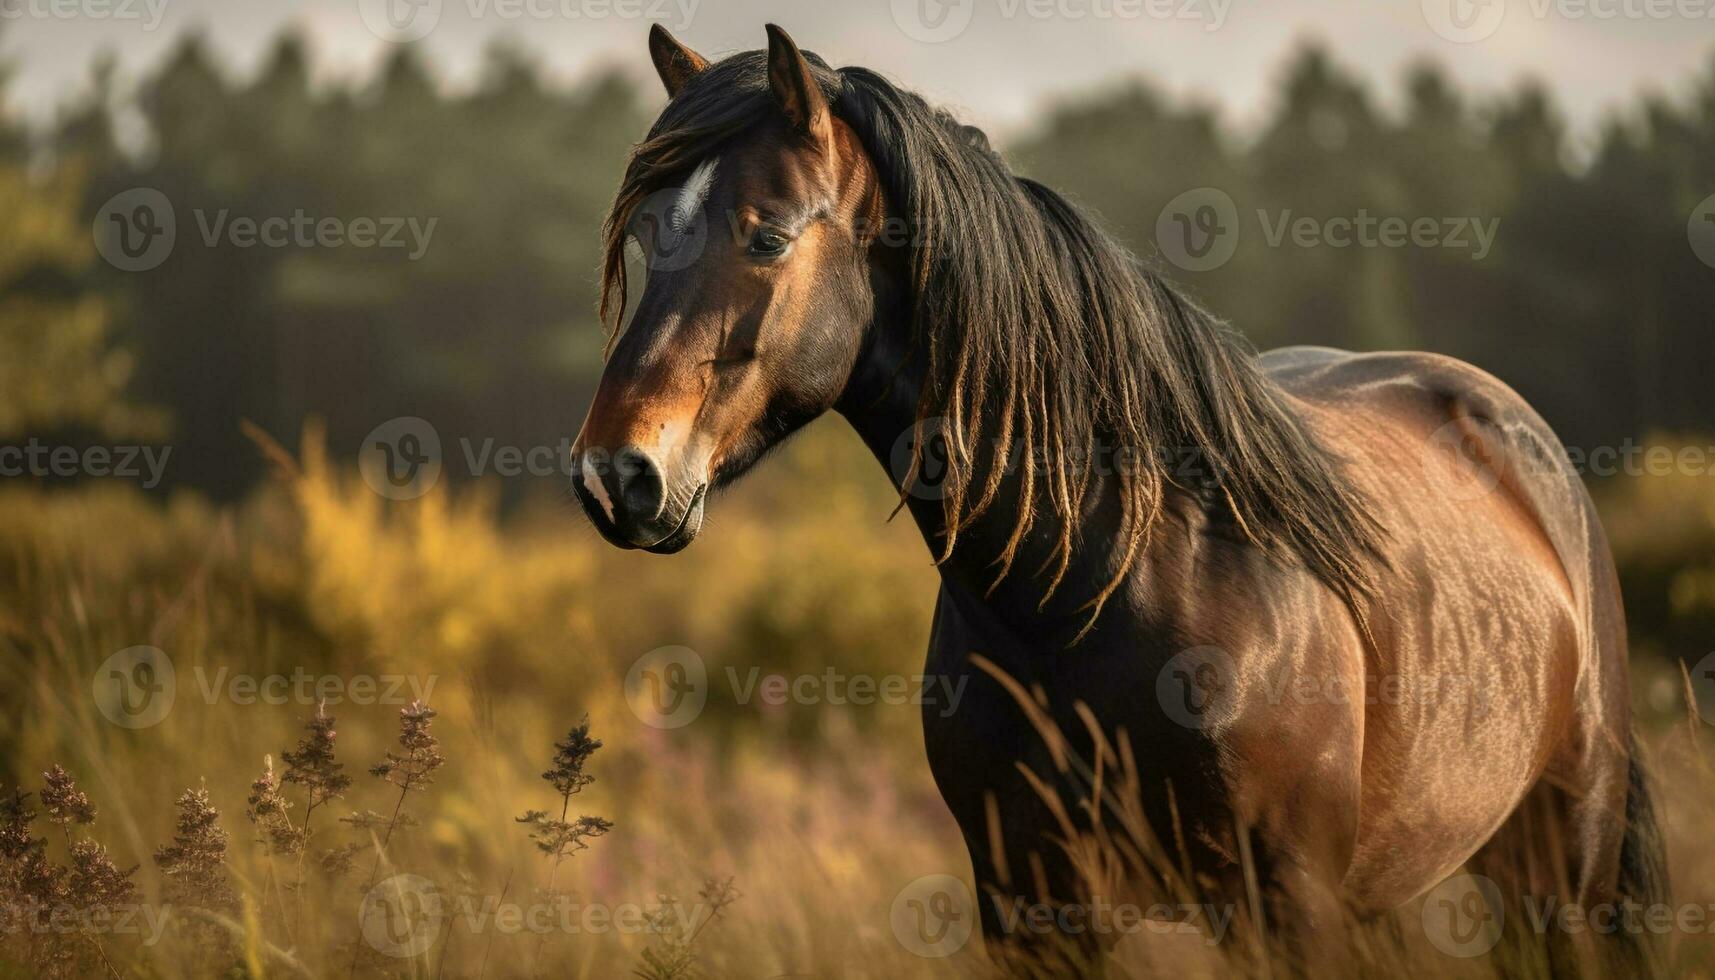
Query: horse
(1141, 525)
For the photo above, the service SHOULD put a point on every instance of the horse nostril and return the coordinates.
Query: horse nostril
(641, 489)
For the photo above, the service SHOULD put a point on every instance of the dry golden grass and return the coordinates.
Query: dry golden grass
(819, 814)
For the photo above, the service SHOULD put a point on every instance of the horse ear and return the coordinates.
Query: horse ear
(795, 88)
(674, 62)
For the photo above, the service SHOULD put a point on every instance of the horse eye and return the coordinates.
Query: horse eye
(768, 243)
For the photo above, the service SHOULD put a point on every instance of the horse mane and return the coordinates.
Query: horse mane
(1045, 339)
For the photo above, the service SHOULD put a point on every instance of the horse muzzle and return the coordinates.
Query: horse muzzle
(627, 498)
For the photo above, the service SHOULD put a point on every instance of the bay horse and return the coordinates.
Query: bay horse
(1122, 497)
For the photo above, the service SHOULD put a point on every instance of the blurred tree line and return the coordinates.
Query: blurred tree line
(491, 332)
(1591, 302)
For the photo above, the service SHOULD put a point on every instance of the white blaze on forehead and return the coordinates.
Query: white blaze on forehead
(597, 489)
(693, 195)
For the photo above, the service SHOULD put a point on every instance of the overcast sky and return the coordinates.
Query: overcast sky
(996, 59)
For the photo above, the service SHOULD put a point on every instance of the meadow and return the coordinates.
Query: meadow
(769, 837)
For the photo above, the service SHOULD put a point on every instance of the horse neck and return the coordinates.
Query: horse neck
(881, 403)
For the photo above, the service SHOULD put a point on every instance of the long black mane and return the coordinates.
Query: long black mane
(1049, 347)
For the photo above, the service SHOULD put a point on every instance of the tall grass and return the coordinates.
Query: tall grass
(760, 840)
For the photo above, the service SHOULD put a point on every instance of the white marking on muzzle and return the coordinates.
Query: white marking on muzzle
(592, 483)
